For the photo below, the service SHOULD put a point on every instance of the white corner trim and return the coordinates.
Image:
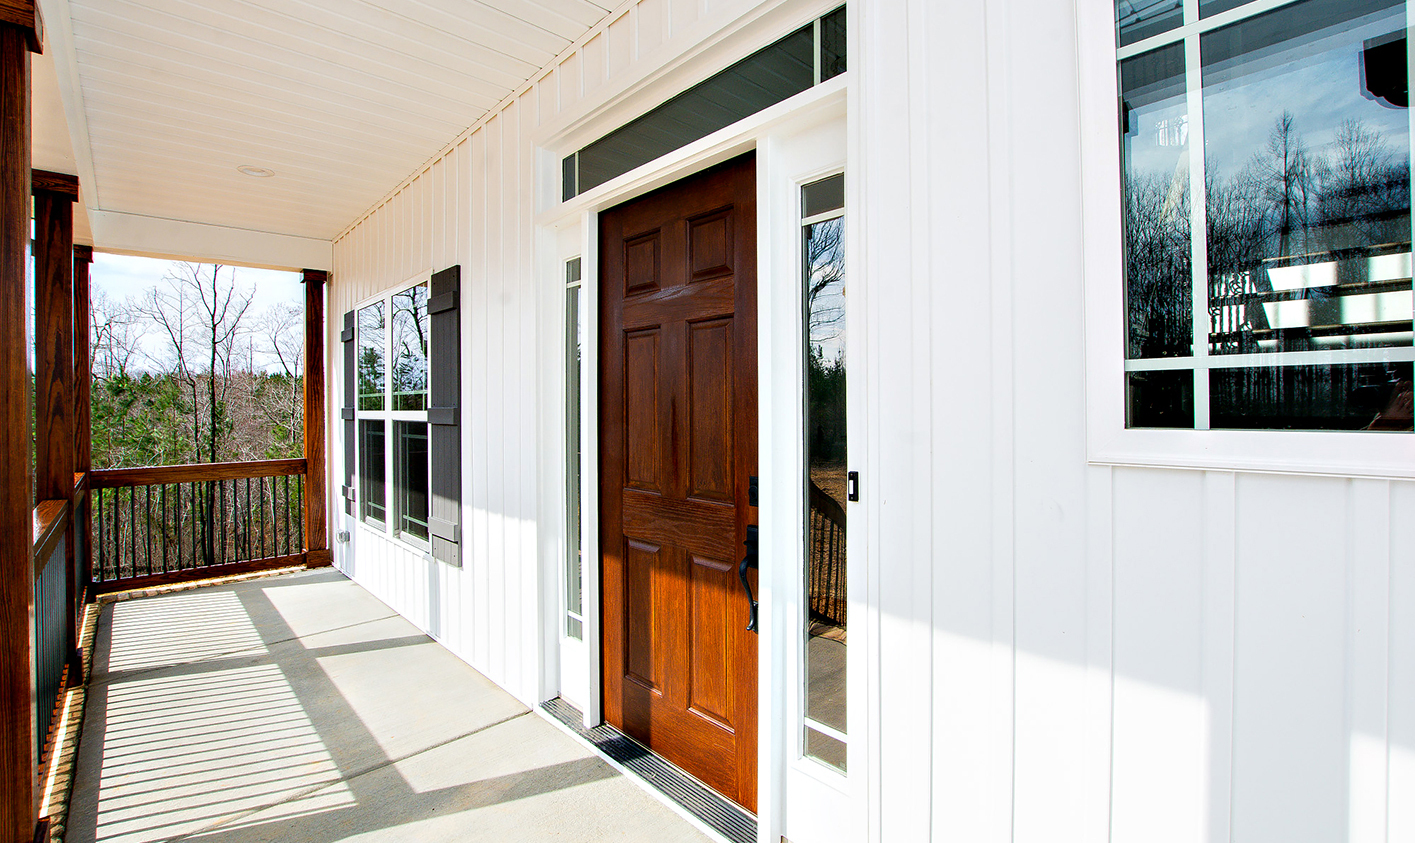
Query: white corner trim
(134, 234)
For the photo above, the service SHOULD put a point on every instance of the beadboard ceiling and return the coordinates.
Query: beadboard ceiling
(342, 99)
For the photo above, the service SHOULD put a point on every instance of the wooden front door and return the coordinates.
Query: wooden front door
(678, 446)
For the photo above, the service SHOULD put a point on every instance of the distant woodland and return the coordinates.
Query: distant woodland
(191, 372)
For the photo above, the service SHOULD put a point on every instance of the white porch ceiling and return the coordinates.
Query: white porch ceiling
(342, 99)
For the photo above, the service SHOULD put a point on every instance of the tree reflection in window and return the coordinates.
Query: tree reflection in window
(410, 333)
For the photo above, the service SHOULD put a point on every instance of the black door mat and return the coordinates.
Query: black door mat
(715, 811)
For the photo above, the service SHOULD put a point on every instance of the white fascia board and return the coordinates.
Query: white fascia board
(134, 234)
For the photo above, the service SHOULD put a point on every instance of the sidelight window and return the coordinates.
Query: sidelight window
(1266, 153)
(827, 482)
(574, 545)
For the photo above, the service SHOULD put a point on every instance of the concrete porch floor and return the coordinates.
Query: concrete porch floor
(300, 708)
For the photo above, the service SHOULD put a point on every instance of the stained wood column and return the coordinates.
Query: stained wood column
(19, 34)
(54, 197)
(316, 532)
(83, 407)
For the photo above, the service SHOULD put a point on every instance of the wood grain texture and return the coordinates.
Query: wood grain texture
(17, 701)
(50, 520)
(197, 574)
(678, 420)
(54, 345)
(117, 478)
(46, 181)
(24, 15)
(316, 492)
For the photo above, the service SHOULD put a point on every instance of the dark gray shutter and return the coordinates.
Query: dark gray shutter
(350, 363)
(444, 428)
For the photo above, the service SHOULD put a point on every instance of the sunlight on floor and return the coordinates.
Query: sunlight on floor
(179, 628)
(183, 752)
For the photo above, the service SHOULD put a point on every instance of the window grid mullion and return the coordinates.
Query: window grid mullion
(1198, 222)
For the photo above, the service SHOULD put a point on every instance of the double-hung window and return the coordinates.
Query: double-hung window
(1266, 157)
(392, 348)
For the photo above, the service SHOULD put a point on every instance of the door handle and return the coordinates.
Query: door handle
(749, 561)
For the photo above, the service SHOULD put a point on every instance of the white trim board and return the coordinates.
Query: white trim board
(134, 234)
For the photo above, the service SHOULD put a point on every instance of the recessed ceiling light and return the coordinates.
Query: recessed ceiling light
(258, 172)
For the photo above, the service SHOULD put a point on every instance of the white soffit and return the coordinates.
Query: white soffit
(342, 99)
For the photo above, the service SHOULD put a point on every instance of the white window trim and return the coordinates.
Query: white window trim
(1108, 441)
(389, 529)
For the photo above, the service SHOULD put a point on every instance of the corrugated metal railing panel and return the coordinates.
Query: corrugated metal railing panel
(51, 638)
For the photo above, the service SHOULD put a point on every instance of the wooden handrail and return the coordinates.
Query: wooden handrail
(50, 518)
(117, 478)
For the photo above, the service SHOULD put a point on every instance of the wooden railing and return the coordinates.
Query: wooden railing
(172, 523)
(826, 565)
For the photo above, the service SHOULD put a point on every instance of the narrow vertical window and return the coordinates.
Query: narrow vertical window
(372, 491)
(410, 333)
(411, 472)
(373, 351)
(827, 478)
(574, 342)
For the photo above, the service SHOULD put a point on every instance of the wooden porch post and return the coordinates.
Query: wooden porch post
(54, 196)
(19, 34)
(83, 409)
(316, 533)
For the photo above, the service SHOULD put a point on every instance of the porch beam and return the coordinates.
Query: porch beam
(18, 35)
(316, 531)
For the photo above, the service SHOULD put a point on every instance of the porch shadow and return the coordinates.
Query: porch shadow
(301, 708)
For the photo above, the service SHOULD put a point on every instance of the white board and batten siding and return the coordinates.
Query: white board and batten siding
(474, 205)
(1072, 650)
(1063, 650)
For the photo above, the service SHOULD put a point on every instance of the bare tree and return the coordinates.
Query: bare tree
(114, 343)
(200, 312)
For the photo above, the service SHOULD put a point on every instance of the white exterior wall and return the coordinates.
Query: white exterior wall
(1090, 652)
(474, 206)
(1061, 649)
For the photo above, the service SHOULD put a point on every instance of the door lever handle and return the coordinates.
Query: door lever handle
(749, 561)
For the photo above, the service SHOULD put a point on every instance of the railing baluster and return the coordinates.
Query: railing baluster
(261, 483)
(300, 518)
(285, 511)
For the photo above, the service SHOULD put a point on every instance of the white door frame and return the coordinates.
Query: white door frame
(796, 142)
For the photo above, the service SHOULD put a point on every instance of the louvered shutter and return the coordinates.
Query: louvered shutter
(350, 363)
(443, 416)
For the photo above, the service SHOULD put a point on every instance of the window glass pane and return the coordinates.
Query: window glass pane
(823, 196)
(410, 331)
(823, 747)
(372, 339)
(826, 479)
(1369, 396)
(1308, 167)
(372, 494)
(1136, 20)
(1160, 399)
(1213, 7)
(833, 44)
(1155, 149)
(410, 466)
(574, 339)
